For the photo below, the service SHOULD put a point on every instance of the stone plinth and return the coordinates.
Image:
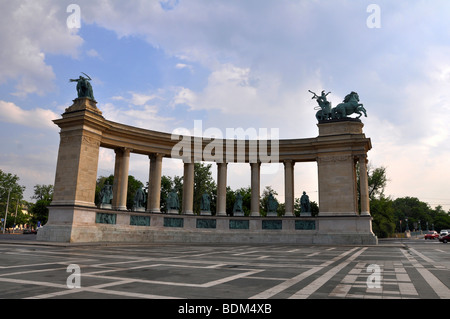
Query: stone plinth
(338, 127)
(80, 138)
(84, 225)
(344, 145)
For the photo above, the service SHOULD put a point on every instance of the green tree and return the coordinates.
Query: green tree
(382, 211)
(413, 209)
(441, 219)
(43, 192)
(39, 210)
(11, 193)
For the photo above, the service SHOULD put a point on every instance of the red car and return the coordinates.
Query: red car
(431, 235)
(445, 238)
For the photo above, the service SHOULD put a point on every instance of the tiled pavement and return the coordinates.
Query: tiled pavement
(390, 270)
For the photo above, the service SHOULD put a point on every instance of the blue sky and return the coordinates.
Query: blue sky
(162, 65)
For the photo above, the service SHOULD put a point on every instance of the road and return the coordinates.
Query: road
(394, 269)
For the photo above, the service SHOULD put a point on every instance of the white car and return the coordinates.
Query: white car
(443, 233)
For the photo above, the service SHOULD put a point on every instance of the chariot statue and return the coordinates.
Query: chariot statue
(349, 106)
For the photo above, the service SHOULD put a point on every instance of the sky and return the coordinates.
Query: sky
(165, 64)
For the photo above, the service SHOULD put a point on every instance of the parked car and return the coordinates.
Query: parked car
(431, 235)
(445, 238)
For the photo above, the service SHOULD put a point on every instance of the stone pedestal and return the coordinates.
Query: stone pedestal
(337, 167)
(76, 169)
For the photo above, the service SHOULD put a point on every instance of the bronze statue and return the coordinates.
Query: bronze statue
(324, 112)
(349, 106)
(172, 200)
(205, 204)
(272, 205)
(139, 199)
(305, 205)
(106, 194)
(237, 208)
(84, 87)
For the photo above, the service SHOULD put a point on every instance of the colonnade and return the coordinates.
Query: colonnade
(337, 149)
(120, 186)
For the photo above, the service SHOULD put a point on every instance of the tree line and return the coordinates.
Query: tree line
(16, 209)
(389, 215)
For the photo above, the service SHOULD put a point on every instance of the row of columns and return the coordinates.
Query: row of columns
(121, 185)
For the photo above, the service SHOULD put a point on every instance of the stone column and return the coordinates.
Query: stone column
(120, 186)
(364, 186)
(154, 184)
(221, 207)
(188, 189)
(255, 185)
(289, 187)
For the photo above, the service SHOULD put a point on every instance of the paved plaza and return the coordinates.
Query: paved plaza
(411, 268)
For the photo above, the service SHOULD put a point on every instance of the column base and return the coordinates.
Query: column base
(289, 214)
(307, 214)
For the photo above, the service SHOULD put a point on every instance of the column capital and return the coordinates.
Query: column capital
(288, 161)
(361, 157)
(155, 155)
(125, 150)
(222, 163)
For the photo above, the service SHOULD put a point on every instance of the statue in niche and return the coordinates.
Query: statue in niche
(237, 208)
(305, 205)
(172, 201)
(272, 205)
(84, 87)
(106, 195)
(205, 203)
(139, 200)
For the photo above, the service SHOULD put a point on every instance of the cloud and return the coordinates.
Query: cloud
(141, 99)
(37, 118)
(184, 66)
(93, 53)
(29, 30)
(145, 116)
